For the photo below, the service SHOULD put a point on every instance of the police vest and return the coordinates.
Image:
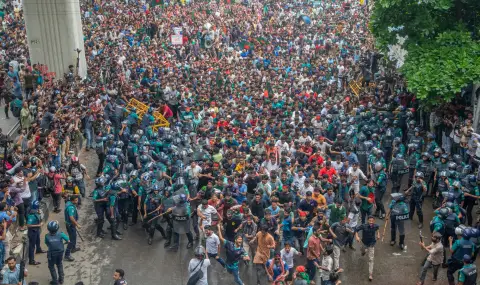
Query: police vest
(54, 242)
(426, 168)
(417, 190)
(464, 247)
(450, 224)
(399, 166)
(168, 202)
(441, 185)
(153, 203)
(388, 141)
(417, 141)
(99, 145)
(412, 160)
(400, 211)
(131, 150)
(470, 274)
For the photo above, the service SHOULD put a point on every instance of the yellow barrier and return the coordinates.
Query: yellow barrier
(356, 86)
(142, 109)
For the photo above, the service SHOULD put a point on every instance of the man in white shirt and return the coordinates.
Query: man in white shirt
(213, 245)
(353, 177)
(193, 171)
(204, 212)
(21, 181)
(287, 255)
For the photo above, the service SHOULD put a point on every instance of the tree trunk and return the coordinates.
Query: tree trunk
(476, 112)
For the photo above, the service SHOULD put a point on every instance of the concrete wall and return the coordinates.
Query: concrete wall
(54, 31)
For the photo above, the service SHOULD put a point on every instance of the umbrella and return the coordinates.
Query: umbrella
(306, 19)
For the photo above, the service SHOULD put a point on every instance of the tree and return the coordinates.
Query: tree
(440, 44)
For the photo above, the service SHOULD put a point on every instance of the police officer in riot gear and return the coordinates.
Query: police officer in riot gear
(471, 193)
(413, 157)
(398, 168)
(468, 274)
(152, 208)
(104, 206)
(398, 214)
(181, 222)
(381, 180)
(417, 139)
(54, 241)
(425, 166)
(167, 203)
(418, 191)
(459, 249)
(363, 148)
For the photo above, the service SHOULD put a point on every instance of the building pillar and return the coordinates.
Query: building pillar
(54, 33)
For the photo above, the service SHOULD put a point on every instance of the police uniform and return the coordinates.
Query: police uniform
(399, 168)
(167, 203)
(181, 223)
(398, 215)
(34, 219)
(54, 242)
(71, 211)
(416, 200)
(468, 274)
(381, 181)
(152, 202)
(460, 248)
(104, 208)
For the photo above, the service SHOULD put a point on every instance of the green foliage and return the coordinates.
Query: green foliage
(442, 55)
(437, 70)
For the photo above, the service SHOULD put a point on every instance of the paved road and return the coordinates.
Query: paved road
(6, 124)
(149, 265)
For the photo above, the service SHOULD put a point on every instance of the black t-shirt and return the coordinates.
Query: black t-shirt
(284, 197)
(258, 209)
(252, 183)
(203, 181)
(230, 226)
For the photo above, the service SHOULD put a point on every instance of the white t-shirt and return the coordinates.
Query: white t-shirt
(193, 172)
(288, 256)
(207, 213)
(193, 263)
(212, 243)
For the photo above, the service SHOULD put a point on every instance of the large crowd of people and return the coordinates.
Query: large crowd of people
(269, 153)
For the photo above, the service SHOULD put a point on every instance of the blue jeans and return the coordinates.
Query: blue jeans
(72, 235)
(236, 275)
(81, 186)
(88, 134)
(311, 269)
(219, 259)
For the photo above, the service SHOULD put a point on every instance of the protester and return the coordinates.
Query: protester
(266, 136)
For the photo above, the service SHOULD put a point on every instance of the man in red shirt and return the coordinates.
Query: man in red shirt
(329, 170)
(166, 111)
(316, 158)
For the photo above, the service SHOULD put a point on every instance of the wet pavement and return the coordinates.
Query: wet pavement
(145, 264)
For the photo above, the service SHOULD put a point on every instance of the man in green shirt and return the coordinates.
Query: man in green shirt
(367, 194)
(71, 218)
(337, 212)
